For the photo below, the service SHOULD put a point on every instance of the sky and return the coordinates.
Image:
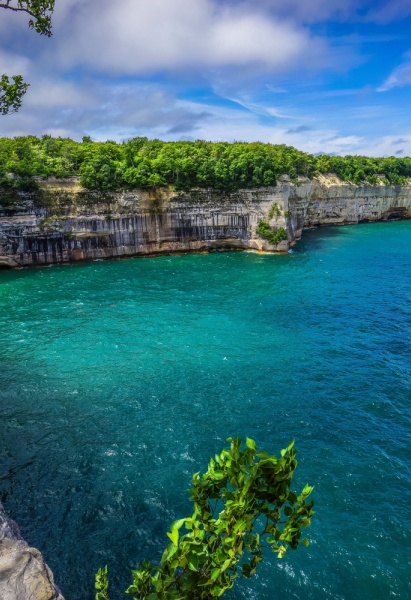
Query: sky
(325, 76)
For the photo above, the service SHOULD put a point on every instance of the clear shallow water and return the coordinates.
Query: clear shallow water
(119, 380)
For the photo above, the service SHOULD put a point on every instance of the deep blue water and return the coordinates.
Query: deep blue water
(120, 379)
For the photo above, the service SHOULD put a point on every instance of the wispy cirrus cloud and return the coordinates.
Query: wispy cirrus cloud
(258, 108)
(400, 76)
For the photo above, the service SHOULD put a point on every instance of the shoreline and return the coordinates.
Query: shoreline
(205, 250)
(66, 224)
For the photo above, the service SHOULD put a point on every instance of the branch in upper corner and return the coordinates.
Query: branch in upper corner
(13, 89)
(40, 11)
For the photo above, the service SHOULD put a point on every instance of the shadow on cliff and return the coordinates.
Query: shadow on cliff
(316, 238)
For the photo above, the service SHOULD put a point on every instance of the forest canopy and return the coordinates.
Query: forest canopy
(183, 165)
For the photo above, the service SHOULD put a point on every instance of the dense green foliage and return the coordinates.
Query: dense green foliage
(360, 169)
(242, 501)
(12, 89)
(144, 163)
(274, 236)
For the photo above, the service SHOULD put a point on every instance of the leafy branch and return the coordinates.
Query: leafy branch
(256, 507)
(12, 90)
(11, 93)
(39, 10)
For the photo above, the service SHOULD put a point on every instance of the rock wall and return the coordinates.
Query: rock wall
(23, 573)
(328, 201)
(65, 223)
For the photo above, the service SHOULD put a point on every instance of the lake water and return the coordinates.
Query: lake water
(119, 379)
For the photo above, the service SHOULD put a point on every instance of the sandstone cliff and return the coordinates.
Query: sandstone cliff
(23, 573)
(65, 223)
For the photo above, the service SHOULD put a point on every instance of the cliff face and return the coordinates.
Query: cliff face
(65, 223)
(329, 201)
(23, 573)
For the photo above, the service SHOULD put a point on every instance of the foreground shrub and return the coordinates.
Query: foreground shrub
(243, 500)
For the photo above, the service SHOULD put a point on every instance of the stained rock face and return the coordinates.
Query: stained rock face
(328, 201)
(23, 573)
(64, 223)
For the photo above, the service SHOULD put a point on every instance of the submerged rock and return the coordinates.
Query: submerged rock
(23, 573)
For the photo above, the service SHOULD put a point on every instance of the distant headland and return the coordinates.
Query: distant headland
(64, 201)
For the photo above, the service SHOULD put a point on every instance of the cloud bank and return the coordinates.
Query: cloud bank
(130, 37)
(274, 70)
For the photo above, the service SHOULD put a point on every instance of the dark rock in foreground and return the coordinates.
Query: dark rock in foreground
(23, 573)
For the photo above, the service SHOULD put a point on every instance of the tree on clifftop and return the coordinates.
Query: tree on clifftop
(13, 88)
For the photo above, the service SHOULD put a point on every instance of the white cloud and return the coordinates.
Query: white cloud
(258, 108)
(13, 64)
(387, 145)
(123, 111)
(400, 76)
(103, 111)
(130, 37)
(47, 93)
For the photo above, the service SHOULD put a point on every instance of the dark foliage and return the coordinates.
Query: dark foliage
(144, 163)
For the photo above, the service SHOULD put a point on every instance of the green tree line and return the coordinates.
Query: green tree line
(144, 163)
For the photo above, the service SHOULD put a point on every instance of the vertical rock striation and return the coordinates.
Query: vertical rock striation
(328, 201)
(64, 223)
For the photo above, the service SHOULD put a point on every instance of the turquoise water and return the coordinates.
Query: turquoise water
(120, 379)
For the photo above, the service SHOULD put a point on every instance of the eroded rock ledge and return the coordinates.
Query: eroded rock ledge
(23, 573)
(65, 223)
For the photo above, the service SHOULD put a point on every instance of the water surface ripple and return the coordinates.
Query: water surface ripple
(120, 379)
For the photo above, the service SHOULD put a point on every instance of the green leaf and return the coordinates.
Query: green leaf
(173, 535)
(169, 552)
(178, 524)
(251, 444)
(307, 490)
(101, 584)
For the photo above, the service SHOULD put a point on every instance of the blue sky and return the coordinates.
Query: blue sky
(323, 75)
